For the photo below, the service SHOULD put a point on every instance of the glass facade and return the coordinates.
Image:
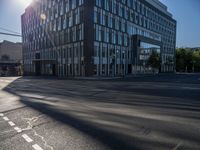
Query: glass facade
(115, 22)
(145, 51)
(60, 38)
(55, 31)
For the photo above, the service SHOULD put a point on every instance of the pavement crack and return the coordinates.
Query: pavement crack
(42, 138)
(30, 122)
(5, 132)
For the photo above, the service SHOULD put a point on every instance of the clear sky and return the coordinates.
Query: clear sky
(186, 12)
(187, 15)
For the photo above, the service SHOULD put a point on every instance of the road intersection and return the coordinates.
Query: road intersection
(134, 113)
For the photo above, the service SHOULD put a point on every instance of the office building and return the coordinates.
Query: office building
(97, 37)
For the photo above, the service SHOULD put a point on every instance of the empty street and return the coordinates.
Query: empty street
(149, 113)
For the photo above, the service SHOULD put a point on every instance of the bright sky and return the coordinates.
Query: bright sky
(10, 17)
(186, 12)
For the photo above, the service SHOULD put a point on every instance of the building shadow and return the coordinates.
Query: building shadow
(114, 129)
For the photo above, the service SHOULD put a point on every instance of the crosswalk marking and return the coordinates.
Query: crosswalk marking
(27, 138)
(5, 118)
(37, 147)
(18, 129)
(11, 123)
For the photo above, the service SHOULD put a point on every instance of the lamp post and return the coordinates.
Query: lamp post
(116, 57)
(113, 59)
(123, 62)
(193, 62)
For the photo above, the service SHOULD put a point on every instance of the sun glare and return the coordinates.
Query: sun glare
(25, 3)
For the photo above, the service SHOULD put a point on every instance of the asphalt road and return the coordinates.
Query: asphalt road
(147, 113)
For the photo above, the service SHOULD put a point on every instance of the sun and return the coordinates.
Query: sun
(25, 3)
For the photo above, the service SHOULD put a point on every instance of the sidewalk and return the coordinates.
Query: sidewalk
(95, 78)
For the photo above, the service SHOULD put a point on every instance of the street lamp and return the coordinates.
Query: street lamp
(113, 59)
(117, 55)
(193, 62)
(123, 62)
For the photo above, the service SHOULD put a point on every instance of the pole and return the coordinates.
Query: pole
(10, 34)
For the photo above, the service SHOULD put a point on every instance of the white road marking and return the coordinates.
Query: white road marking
(5, 118)
(190, 88)
(37, 147)
(177, 146)
(1, 115)
(27, 138)
(18, 129)
(30, 122)
(11, 123)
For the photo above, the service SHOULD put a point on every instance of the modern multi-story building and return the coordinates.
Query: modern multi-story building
(96, 37)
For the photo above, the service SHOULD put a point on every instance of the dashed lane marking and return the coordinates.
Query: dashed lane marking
(27, 138)
(37, 147)
(5, 118)
(11, 123)
(18, 129)
(177, 146)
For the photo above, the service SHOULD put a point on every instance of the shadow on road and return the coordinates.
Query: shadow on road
(121, 117)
